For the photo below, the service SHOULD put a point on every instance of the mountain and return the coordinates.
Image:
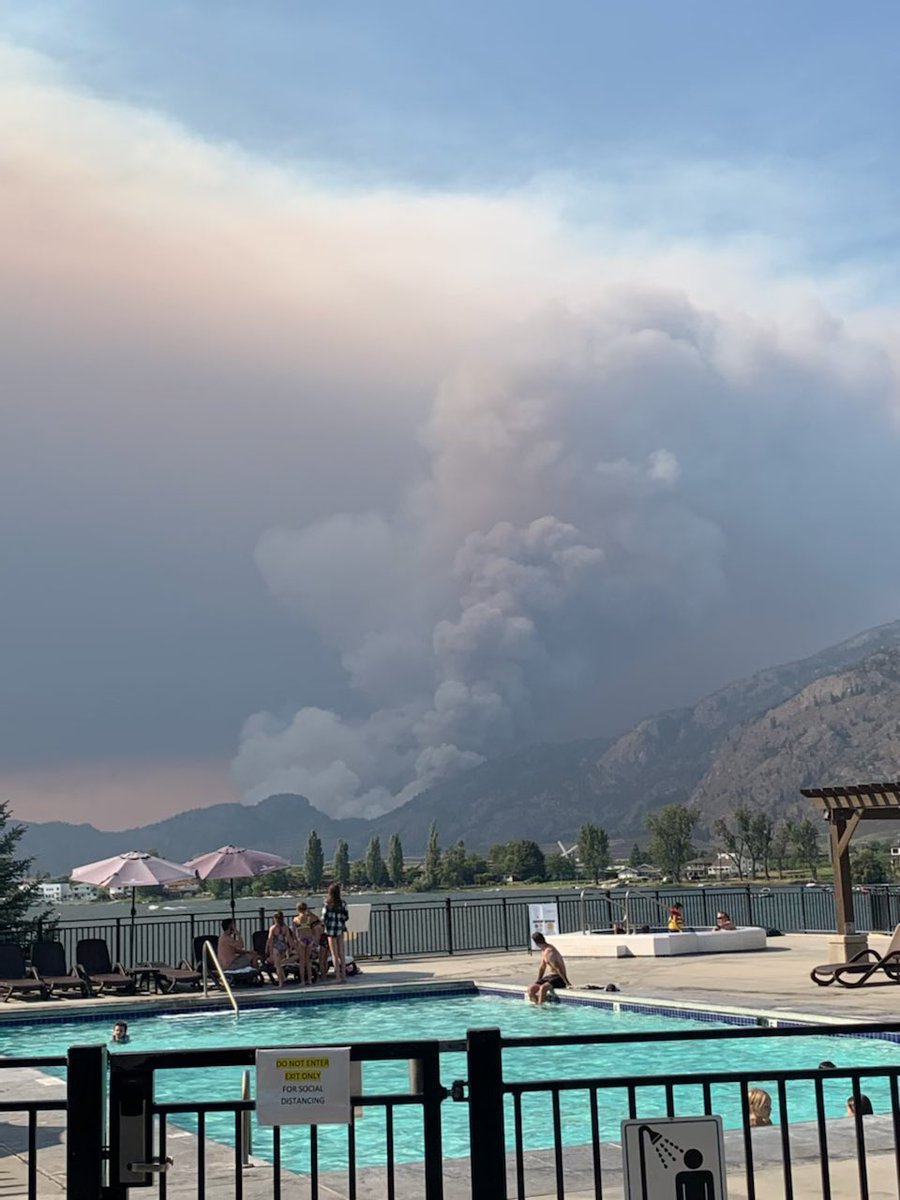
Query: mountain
(830, 718)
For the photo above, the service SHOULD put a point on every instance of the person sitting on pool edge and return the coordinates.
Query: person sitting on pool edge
(724, 921)
(554, 963)
(120, 1032)
(230, 950)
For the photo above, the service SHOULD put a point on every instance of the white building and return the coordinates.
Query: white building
(66, 893)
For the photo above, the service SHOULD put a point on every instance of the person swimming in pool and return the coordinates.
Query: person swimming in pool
(120, 1032)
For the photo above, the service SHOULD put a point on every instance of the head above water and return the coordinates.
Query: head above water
(120, 1031)
(865, 1106)
(760, 1102)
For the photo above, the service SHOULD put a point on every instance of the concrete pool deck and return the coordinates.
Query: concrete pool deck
(775, 981)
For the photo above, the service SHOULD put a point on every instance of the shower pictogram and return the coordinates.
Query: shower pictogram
(674, 1159)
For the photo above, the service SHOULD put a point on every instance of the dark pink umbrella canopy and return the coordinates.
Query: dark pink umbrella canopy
(233, 862)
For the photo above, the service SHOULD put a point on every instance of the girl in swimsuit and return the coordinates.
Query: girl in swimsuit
(280, 945)
(307, 931)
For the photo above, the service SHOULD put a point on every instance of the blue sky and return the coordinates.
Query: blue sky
(256, 248)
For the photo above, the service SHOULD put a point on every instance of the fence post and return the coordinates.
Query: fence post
(118, 939)
(448, 903)
(85, 1121)
(390, 931)
(505, 925)
(487, 1144)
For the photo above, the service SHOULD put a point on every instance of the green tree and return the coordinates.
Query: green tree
(375, 868)
(315, 861)
(453, 866)
(359, 875)
(395, 861)
(805, 840)
(636, 857)
(431, 872)
(520, 859)
(759, 842)
(734, 836)
(593, 850)
(341, 866)
(780, 850)
(18, 921)
(671, 830)
(560, 866)
(870, 862)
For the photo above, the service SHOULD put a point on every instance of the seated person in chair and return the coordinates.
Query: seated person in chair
(231, 952)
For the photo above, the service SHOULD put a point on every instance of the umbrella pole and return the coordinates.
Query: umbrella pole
(131, 954)
(232, 899)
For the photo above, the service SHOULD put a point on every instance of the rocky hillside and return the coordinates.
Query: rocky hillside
(830, 718)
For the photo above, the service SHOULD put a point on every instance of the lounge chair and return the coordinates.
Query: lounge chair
(95, 966)
(260, 938)
(15, 978)
(167, 977)
(48, 960)
(860, 969)
(243, 975)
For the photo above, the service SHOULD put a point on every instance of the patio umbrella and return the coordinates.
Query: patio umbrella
(232, 862)
(133, 869)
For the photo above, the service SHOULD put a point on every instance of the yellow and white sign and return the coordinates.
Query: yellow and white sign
(303, 1087)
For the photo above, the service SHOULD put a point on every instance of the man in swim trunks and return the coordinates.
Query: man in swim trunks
(230, 951)
(551, 973)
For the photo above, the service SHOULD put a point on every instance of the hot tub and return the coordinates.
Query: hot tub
(659, 943)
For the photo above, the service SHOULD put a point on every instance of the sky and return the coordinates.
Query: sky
(387, 387)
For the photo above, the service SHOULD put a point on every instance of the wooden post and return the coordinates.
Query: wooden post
(847, 941)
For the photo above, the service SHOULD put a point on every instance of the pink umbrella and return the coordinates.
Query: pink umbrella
(231, 862)
(133, 869)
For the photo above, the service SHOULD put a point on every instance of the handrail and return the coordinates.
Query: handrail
(209, 953)
(582, 908)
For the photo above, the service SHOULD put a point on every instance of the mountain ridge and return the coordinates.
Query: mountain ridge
(758, 739)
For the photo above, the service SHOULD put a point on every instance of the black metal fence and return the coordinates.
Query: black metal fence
(801, 1149)
(527, 1132)
(451, 926)
(27, 1139)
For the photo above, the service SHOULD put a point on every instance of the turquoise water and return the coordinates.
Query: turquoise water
(316, 1024)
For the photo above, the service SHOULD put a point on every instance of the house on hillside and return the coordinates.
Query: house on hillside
(697, 868)
(644, 871)
(725, 866)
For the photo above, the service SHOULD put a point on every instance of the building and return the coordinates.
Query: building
(895, 855)
(66, 893)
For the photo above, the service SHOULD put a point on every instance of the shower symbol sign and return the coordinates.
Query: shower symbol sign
(679, 1158)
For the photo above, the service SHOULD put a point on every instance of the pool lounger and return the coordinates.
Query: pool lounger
(95, 966)
(861, 968)
(48, 960)
(15, 977)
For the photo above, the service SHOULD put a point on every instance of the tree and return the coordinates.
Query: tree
(18, 921)
(759, 842)
(560, 866)
(315, 861)
(805, 839)
(636, 857)
(671, 830)
(871, 863)
(432, 868)
(593, 850)
(359, 876)
(375, 868)
(453, 866)
(341, 865)
(395, 861)
(520, 859)
(780, 850)
(734, 837)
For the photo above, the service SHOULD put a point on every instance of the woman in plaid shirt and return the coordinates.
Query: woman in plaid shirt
(334, 918)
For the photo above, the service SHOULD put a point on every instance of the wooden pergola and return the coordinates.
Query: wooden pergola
(843, 808)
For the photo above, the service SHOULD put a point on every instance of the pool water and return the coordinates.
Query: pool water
(449, 1018)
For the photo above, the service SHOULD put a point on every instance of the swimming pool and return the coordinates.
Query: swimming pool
(448, 1019)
